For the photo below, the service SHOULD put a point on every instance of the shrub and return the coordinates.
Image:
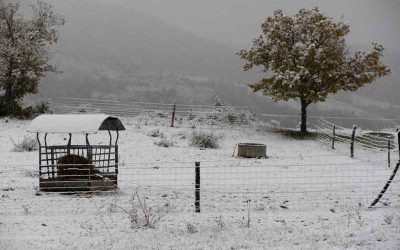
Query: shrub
(25, 113)
(232, 118)
(26, 209)
(27, 144)
(32, 111)
(220, 222)
(140, 214)
(182, 135)
(204, 140)
(164, 142)
(190, 228)
(156, 133)
(275, 124)
(42, 108)
(245, 221)
(388, 218)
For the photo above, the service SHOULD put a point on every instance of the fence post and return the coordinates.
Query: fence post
(398, 143)
(333, 136)
(386, 185)
(197, 187)
(389, 145)
(173, 115)
(352, 141)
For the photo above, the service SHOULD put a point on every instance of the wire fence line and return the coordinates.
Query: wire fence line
(364, 138)
(188, 114)
(159, 113)
(224, 186)
(384, 144)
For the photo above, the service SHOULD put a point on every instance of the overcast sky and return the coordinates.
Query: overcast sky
(238, 21)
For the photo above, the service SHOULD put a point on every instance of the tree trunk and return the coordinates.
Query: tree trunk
(9, 101)
(303, 126)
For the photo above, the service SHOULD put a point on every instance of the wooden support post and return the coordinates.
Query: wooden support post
(88, 148)
(389, 146)
(116, 159)
(398, 143)
(197, 187)
(40, 154)
(352, 141)
(52, 163)
(173, 115)
(109, 151)
(47, 155)
(386, 185)
(333, 136)
(69, 144)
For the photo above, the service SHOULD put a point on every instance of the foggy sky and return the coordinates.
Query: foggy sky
(236, 22)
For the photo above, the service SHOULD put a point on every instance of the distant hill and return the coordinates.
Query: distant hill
(111, 52)
(122, 54)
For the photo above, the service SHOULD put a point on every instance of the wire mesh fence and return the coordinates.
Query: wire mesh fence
(223, 186)
(383, 144)
(217, 116)
(174, 114)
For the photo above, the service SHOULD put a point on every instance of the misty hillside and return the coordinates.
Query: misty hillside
(120, 53)
(123, 54)
(134, 43)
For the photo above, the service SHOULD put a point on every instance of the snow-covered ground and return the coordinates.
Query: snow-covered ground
(303, 196)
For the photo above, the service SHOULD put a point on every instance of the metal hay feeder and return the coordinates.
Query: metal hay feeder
(84, 167)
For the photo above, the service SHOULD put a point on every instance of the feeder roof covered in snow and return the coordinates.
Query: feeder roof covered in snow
(75, 123)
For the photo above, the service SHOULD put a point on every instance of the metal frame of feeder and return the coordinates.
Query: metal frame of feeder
(103, 158)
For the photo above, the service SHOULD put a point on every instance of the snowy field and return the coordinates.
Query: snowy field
(303, 196)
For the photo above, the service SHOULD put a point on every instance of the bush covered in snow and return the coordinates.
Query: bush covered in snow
(27, 144)
(203, 139)
(165, 142)
(140, 214)
(274, 124)
(224, 117)
(156, 133)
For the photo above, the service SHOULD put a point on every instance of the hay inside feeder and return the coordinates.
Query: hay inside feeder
(71, 167)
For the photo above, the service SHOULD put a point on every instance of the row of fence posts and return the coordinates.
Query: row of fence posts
(197, 167)
(352, 141)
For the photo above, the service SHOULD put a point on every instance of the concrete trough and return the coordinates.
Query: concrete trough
(252, 150)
